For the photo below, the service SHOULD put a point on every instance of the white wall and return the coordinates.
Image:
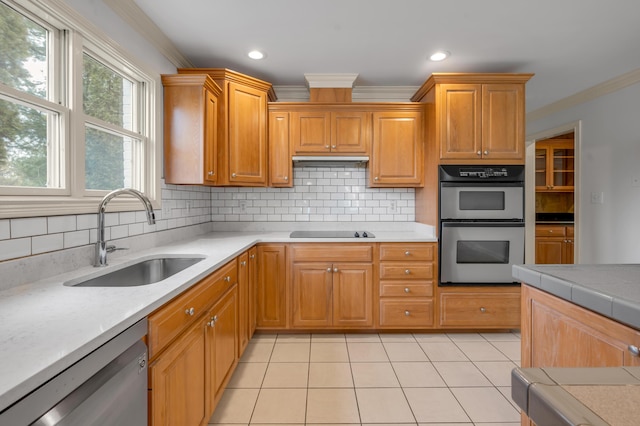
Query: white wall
(609, 161)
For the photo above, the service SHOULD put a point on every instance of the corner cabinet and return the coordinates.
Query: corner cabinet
(479, 118)
(271, 287)
(190, 129)
(242, 126)
(397, 158)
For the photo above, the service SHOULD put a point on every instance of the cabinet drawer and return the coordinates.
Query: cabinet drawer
(406, 251)
(550, 231)
(406, 271)
(410, 313)
(170, 320)
(406, 288)
(480, 310)
(332, 252)
(570, 231)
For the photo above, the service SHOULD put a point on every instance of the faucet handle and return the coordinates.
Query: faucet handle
(112, 248)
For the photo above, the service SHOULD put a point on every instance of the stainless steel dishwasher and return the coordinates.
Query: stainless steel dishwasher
(108, 387)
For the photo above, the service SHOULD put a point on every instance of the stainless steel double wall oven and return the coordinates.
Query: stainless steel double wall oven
(481, 224)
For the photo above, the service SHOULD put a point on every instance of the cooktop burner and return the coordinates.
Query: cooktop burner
(331, 234)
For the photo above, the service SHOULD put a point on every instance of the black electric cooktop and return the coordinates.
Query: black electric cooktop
(331, 234)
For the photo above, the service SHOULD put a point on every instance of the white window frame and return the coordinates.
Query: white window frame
(76, 36)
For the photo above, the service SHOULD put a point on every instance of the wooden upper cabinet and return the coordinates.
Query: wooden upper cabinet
(479, 118)
(280, 165)
(315, 131)
(190, 129)
(555, 165)
(242, 127)
(397, 157)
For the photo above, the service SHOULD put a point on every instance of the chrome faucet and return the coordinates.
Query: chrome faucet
(101, 246)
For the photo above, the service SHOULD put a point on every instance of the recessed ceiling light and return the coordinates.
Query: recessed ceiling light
(256, 54)
(440, 55)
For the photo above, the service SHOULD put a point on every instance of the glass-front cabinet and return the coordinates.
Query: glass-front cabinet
(555, 165)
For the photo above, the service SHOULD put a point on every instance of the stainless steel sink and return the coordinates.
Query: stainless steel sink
(144, 272)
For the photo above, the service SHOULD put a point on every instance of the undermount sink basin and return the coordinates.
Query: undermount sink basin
(144, 272)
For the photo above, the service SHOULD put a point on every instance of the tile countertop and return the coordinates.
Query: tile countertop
(578, 396)
(46, 327)
(610, 290)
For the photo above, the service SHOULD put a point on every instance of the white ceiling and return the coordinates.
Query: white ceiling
(570, 45)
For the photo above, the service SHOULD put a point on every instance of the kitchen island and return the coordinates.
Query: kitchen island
(576, 316)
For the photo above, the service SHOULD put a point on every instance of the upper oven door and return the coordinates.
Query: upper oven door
(481, 201)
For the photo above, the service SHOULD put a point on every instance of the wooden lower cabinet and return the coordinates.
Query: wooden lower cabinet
(479, 307)
(271, 287)
(554, 244)
(247, 268)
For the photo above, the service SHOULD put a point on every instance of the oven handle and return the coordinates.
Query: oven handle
(482, 224)
(518, 184)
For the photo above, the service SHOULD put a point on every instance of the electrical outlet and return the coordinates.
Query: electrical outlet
(597, 198)
(243, 206)
(393, 206)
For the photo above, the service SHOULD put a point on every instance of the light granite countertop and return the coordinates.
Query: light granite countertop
(46, 326)
(610, 290)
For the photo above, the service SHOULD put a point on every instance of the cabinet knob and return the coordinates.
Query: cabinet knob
(190, 311)
(335, 269)
(286, 178)
(253, 256)
(326, 146)
(210, 324)
(407, 272)
(227, 279)
(333, 147)
(486, 153)
(479, 152)
(407, 253)
(243, 263)
(482, 309)
(215, 318)
(406, 290)
(212, 321)
(633, 349)
(407, 313)
(376, 178)
(210, 173)
(328, 269)
(233, 175)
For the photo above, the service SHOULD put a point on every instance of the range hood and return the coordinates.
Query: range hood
(328, 160)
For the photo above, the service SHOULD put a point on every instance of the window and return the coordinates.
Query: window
(76, 114)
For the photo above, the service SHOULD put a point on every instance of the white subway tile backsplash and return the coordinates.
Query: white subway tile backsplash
(28, 227)
(46, 243)
(57, 224)
(5, 229)
(76, 238)
(18, 247)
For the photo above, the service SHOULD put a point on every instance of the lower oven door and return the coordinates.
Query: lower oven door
(480, 252)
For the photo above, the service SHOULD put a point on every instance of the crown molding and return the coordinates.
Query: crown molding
(292, 93)
(136, 18)
(330, 80)
(591, 93)
(360, 93)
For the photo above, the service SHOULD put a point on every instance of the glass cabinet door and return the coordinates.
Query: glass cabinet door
(555, 166)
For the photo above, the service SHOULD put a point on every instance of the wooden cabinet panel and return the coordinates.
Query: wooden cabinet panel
(253, 282)
(487, 309)
(406, 288)
(399, 271)
(350, 132)
(502, 121)
(271, 305)
(311, 132)
(331, 252)
(280, 166)
(177, 382)
(311, 294)
(554, 244)
(410, 252)
(397, 149)
(460, 121)
(406, 313)
(326, 131)
(352, 295)
(555, 165)
(243, 302)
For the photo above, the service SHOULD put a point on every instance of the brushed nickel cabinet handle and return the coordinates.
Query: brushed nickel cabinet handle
(407, 272)
(407, 253)
(406, 290)
(486, 153)
(407, 313)
(233, 175)
(633, 349)
(479, 152)
(483, 310)
(190, 311)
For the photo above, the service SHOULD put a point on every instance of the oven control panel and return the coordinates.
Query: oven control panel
(493, 173)
(483, 172)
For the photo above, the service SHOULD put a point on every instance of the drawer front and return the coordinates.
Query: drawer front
(480, 310)
(570, 230)
(406, 288)
(347, 252)
(410, 313)
(406, 271)
(170, 320)
(404, 252)
(550, 231)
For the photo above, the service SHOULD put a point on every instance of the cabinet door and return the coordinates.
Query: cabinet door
(352, 295)
(311, 132)
(397, 158)
(210, 138)
(243, 302)
(177, 382)
(350, 132)
(280, 168)
(271, 286)
(460, 121)
(253, 280)
(503, 122)
(247, 144)
(311, 294)
(549, 250)
(542, 167)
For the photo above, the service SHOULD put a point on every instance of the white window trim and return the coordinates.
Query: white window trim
(86, 201)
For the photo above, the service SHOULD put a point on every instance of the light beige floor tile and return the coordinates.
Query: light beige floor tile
(443, 351)
(280, 406)
(332, 406)
(363, 338)
(329, 352)
(510, 349)
(417, 375)
(235, 406)
(475, 403)
(397, 337)
(387, 405)
(257, 352)
(248, 375)
(444, 424)
(465, 337)
(460, 374)
(498, 372)
(329, 337)
(366, 352)
(291, 352)
(330, 375)
(431, 337)
(374, 375)
(506, 391)
(435, 405)
(481, 351)
(294, 338)
(264, 337)
(406, 351)
(286, 375)
(501, 337)
(494, 424)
